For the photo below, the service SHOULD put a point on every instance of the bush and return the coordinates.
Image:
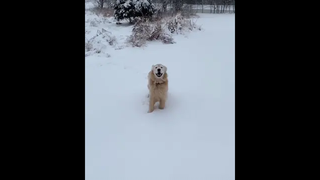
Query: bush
(98, 43)
(179, 24)
(144, 31)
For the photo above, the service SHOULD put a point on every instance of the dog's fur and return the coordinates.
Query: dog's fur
(158, 86)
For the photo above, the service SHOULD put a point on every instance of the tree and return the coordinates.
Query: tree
(164, 5)
(144, 8)
(129, 9)
(100, 3)
(177, 5)
(124, 9)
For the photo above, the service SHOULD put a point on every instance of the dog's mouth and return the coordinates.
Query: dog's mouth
(158, 74)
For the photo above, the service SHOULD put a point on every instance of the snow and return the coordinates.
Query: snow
(139, 3)
(89, 5)
(193, 138)
(127, 4)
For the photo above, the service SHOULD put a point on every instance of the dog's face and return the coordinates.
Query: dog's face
(159, 70)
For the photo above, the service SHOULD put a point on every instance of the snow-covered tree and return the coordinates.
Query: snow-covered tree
(124, 9)
(144, 8)
(129, 9)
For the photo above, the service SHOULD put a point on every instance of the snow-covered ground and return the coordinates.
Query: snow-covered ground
(193, 138)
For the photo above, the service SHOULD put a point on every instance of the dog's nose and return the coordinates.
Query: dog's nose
(159, 70)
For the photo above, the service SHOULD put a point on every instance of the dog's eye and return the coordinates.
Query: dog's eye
(161, 67)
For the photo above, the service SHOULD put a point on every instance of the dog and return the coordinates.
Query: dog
(158, 86)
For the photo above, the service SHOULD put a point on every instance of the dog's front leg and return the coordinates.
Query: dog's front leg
(149, 91)
(151, 104)
(162, 103)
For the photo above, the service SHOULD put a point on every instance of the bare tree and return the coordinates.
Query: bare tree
(164, 5)
(100, 3)
(177, 5)
(108, 3)
(233, 5)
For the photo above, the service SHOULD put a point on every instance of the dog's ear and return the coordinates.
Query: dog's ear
(152, 67)
(165, 69)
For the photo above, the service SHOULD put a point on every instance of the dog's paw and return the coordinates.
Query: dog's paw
(150, 111)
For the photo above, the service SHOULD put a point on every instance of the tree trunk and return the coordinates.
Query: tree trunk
(202, 5)
(101, 3)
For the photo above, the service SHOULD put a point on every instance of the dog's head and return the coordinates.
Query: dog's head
(159, 70)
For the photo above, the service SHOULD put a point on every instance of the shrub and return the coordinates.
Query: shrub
(144, 30)
(160, 30)
(99, 42)
(179, 24)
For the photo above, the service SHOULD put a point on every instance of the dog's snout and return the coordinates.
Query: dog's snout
(159, 70)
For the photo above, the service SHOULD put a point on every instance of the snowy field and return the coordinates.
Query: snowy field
(193, 138)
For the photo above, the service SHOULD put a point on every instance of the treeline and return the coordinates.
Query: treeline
(193, 6)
